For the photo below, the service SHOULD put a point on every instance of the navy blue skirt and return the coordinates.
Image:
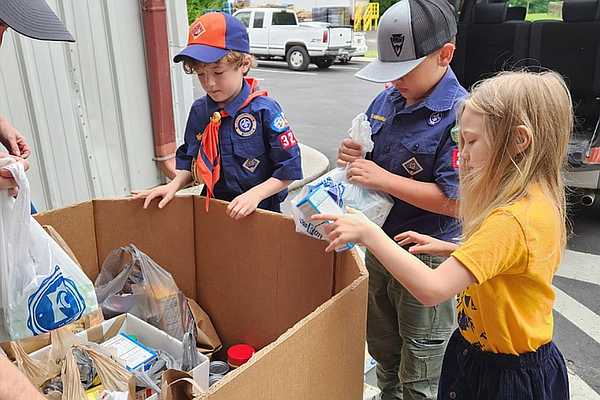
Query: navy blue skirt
(469, 373)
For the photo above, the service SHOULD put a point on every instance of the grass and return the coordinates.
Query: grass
(371, 53)
(536, 17)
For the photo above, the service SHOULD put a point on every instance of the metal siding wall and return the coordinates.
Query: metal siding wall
(85, 107)
(183, 95)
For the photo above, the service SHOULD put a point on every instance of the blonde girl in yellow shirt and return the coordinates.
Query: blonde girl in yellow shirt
(514, 132)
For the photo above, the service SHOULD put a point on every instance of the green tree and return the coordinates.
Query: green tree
(196, 7)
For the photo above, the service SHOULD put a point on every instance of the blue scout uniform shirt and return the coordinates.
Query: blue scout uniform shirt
(256, 143)
(414, 142)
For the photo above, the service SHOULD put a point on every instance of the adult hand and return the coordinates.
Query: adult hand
(12, 139)
(6, 179)
(367, 173)
(349, 151)
(167, 192)
(425, 244)
(243, 205)
(353, 227)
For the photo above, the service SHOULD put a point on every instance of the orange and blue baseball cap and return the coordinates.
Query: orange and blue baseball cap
(212, 36)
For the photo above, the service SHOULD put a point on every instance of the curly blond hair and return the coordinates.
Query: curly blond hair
(192, 66)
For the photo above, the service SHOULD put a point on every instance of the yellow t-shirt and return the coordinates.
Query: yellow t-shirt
(513, 256)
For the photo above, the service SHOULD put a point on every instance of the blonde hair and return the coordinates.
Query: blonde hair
(192, 66)
(539, 101)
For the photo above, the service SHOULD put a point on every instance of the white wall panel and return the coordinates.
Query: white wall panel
(85, 107)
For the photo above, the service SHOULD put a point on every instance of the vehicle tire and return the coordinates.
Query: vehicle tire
(324, 62)
(297, 58)
(345, 60)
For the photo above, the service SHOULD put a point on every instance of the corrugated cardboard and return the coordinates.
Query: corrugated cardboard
(260, 282)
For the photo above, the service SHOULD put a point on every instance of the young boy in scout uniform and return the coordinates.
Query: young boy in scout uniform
(412, 160)
(237, 140)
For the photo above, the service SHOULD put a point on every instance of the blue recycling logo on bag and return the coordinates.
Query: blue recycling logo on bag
(55, 303)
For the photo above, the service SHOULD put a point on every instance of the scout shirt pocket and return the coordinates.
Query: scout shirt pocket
(249, 154)
(419, 157)
(376, 124)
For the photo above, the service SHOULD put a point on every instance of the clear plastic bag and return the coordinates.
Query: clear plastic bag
(375, 205)
(131, 282)
(41, 287)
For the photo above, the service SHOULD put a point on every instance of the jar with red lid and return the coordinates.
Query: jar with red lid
(239, 354)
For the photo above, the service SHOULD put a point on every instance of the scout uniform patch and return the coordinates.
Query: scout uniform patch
(250, 164)
(455, 158)
(245, 125)
(434, 119)
(287, 140)
(378, 117)
(455, 133)
(412, 166)
(279, 123)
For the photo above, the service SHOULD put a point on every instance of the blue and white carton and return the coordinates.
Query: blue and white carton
(318, 201)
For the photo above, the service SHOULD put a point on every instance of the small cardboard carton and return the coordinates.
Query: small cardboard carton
(145, 334)
(318, 201)
(262, 284)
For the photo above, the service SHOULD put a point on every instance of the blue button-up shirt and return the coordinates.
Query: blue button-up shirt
(255, 143)
(414, 142)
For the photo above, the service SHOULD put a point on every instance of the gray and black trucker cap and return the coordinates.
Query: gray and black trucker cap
(408, 32)
(34, 18)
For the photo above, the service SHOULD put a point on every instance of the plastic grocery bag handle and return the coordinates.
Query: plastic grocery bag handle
(17, 208)
(14, 221)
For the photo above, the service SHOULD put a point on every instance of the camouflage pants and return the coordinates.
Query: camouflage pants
(406, 338)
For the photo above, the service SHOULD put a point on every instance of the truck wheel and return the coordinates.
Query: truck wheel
(297, 58)
(324, 62)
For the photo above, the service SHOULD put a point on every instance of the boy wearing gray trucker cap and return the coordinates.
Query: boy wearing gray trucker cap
(414, 160)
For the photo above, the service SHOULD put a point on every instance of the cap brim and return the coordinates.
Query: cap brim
(382, 72)
(35, 19)
(202, 53)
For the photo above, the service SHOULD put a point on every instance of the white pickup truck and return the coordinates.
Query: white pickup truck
(275, 32)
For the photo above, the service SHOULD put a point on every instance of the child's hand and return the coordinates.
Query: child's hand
(353, 227)
(367, 173)
(6, 179)
(243, 205)
(425, 244)
(167, 192)
(349, 151)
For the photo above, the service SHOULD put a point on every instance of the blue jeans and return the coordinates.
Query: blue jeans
(471, 374)
(406, 338)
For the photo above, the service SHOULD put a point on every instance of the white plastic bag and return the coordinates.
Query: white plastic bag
(41, 287)
(375, 205)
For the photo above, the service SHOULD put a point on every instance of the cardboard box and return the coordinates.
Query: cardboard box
(146, 334)
(263, 284)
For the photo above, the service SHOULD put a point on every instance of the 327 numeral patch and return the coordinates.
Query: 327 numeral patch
(455, 158)
(287, 140)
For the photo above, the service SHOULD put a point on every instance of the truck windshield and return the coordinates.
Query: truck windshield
(283, 18)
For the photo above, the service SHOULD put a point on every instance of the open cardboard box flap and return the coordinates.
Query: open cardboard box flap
(261, 283)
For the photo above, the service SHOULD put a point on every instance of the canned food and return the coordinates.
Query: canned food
(214, 379)
(218, 368)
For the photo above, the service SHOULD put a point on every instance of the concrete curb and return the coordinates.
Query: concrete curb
(314, 164)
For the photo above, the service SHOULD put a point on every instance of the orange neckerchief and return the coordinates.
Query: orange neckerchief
(208, 165)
